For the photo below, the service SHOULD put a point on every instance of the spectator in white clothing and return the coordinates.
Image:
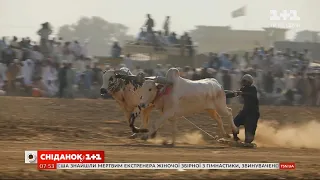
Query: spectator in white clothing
(84, 49)
(76, 49)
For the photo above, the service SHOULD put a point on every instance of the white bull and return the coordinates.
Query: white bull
(186, 97)
(126, 91)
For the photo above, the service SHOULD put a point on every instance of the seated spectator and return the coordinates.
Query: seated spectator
(173, 39)
(142, 35)
(38, 88)
(161, 39)
(150, 38)
(52, 88)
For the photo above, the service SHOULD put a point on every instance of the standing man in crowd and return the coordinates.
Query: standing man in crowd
(149, 24)
(166, 26)
(44, 34)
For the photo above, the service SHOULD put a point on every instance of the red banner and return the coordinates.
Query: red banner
(47, 159)
(287, 165)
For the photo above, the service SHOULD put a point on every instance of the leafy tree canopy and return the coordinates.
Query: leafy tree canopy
(99, 33)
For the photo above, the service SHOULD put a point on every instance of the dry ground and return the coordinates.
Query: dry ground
(36, 123)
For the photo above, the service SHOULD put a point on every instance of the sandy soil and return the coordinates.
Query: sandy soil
(36, 123)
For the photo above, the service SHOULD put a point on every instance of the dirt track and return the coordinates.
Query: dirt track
(31, 124)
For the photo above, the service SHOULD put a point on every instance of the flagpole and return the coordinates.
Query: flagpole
(245, 17)
(245, 21)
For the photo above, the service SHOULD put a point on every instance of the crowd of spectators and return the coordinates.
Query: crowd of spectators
(57, 68)
(161, 40)
(53, 67)
(282, 78)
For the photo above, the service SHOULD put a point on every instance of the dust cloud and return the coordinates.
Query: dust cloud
(269, 134)
(193, 138)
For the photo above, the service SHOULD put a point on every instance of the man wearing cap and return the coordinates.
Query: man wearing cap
(249, 114)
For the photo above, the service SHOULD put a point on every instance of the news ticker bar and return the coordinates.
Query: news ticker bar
(64, 156)
(176, 166)
(94, 159)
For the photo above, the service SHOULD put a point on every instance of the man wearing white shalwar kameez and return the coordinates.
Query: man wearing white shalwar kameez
(49, 73)
(52, 88)
(58, 52)
(84, 49)
(27, 72)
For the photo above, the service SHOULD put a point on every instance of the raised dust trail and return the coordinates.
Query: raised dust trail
(192, 138)
(269, 134)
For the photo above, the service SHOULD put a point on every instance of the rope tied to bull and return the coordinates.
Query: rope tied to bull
(200, 128)
(216, 138)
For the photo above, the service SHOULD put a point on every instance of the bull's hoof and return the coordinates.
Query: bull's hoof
(143, 130)
(135, 130)
(145, 137)
(133, 136)
(236, 138)
(167, 144)
(153, 135)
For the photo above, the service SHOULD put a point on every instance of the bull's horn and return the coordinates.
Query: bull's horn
(150, 78)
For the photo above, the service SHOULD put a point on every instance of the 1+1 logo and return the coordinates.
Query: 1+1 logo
(284, 19)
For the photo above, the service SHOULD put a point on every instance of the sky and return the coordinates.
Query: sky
(23, 17)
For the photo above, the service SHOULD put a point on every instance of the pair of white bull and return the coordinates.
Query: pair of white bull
(139, 94)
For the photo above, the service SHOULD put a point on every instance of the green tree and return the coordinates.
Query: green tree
(100, 34)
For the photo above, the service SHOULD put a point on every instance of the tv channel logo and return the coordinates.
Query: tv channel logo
(284, 19)
(30, 157)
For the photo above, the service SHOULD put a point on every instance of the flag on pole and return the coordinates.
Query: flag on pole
(239, 12)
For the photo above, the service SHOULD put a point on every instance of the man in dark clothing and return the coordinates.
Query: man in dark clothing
(268, 82)
(149, 24)
(62, 79)
(97, 74)
(249, 114)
